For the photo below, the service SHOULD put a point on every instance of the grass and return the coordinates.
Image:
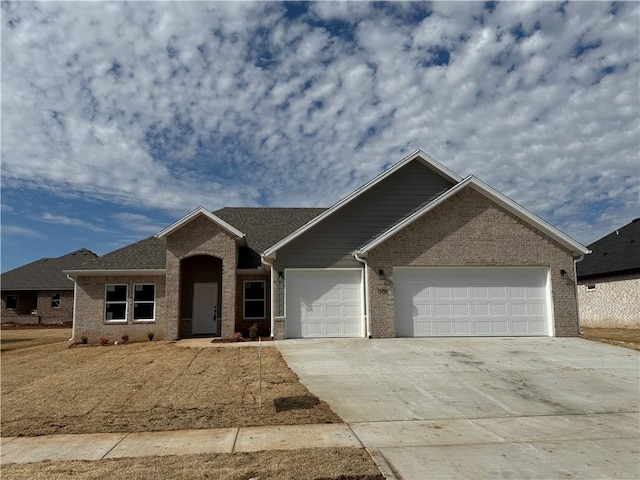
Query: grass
(303, 464)
(12, 338)
(149, 386)
(622, 337)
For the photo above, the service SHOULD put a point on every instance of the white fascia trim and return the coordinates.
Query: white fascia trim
(190, 216)
(493, 195)
(418, 154)
(110, 273)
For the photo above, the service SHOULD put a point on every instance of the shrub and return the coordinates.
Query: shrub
(124, 339)
(237, 337)
(253, 331)
(104, 341)
(150, 336)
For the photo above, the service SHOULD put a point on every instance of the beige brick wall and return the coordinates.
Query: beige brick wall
(48, 314)
(41, 302)
(469, 230)
(615, 302)
(201, 237)
(90, 310)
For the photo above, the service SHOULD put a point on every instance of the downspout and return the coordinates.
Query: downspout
(73, 321)
(271, 291)
(363, 261)
(575, 288)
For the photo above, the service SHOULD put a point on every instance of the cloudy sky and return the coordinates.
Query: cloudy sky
(119, 118)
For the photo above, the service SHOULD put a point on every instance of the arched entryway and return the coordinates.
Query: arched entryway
(200, 296)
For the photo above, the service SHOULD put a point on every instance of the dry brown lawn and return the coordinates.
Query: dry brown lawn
(13, 337)
(149, 386)
(304, 464)
(622, 337)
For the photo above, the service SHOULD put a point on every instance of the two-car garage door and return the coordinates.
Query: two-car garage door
(323, 303)
(473, 301)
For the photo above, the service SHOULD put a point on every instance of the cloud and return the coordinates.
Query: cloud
(19, 231)
(137, 223)
(171, 105)
(74, 222)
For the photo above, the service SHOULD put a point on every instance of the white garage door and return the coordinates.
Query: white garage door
(472, 301)
(323, 303)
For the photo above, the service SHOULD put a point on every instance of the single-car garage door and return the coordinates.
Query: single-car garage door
(323, 303)
(473, 301)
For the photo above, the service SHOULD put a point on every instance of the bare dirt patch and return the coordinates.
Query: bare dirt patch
(622, 337)
(304, 464)
(148, 387)
(18, 337)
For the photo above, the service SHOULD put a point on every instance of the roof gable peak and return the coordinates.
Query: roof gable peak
(194, 214)
(417, 155)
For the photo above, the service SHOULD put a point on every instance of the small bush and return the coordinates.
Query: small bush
(237, 337)
(253, 331)
(124, 339)
(104, 341)
(150, 336)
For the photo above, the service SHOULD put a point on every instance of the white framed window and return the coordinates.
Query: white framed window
(56, 300)
(253, 300)
(115, 301)
(144, 302)
(591, 287)
(11, 302)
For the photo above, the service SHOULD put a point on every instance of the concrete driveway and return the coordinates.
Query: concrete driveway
(482, 407)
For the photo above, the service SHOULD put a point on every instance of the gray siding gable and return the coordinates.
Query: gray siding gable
(332, 242)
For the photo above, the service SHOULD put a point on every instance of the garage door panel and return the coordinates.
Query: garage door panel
(323, 303)
(471, 301)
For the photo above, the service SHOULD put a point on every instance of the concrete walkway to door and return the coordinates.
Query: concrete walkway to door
(482, 407)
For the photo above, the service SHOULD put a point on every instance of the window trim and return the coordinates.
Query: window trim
(591, 287)
(126, 303)
(153, 302)
(245, 300)
(6, 302)
(59, 300)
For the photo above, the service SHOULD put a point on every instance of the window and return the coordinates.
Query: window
(254, 304)
(144, 302)
(55, 300)
(12, 302)
(116, 303)
(591, 287)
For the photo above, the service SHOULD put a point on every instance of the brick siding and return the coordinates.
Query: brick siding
(201, 237)
(470, 230)
(39, 301)
(90, 310)
(615, 302)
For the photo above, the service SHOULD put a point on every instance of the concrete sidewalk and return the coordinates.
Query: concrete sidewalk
(98, 446)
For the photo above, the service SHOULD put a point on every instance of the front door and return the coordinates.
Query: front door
(205, 308)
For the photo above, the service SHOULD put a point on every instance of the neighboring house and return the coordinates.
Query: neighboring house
(417, 251)
(609, 280)
(40, 292)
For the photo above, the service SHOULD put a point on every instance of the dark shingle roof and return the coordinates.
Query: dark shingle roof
(264, 227)
(149, 253)
(616, 253)
(46, 273)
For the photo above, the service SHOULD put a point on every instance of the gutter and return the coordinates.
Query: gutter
(73, 322)
(367, 316)
(271, 290)
(575, 287)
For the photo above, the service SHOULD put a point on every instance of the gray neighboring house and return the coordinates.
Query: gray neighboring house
(609, 280)
(417, 251)
(39, 292)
